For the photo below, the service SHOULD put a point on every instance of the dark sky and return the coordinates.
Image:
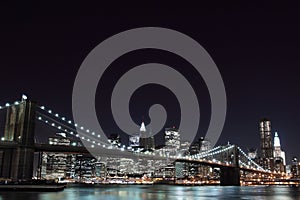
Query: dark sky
(255, 46)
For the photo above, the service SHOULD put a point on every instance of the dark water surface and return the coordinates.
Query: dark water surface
(164, 192)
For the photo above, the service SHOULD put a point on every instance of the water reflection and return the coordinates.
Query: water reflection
(160, 192)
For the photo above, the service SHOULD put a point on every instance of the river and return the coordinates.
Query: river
(163, 192)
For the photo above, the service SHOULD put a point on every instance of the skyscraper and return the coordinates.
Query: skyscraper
(201, 145)
(266, 145)
(143, 128)
(295, 168)
(172, 140)
(146, 139)
(57, 164)
(134, 141)
(279, 155)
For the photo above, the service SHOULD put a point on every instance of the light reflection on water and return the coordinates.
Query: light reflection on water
(163, 192)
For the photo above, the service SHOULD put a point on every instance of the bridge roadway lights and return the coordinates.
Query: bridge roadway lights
(230, 176)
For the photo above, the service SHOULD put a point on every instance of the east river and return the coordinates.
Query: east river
(164, 192)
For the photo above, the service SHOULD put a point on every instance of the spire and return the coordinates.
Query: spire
(276, 140)
(143, 127)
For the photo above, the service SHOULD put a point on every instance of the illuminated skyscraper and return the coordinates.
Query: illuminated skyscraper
(266, 145)
(279, 155)
(277, 148)
(57, 164)
(201, 145)
(143, 128)
(134, 141)
(295, 168)
(172, 137)
(172, 140)
(146, 139)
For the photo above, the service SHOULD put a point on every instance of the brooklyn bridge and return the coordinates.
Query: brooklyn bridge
(18, 147)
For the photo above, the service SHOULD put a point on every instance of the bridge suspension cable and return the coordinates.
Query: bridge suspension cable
(249, 159)
(62, 124)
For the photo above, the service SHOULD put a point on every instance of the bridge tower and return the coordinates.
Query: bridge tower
(230, 175)
(19, 129)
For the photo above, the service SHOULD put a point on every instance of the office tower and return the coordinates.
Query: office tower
(205, 145)
(184, 148)
(146, 139)
(266, 145)
(295, 168)
(55, 164)
(172, 140)
(148, 143)
(172, 137)
(279, 155)
(143, 128)
(100, 169)
(277, 148)
(201, 145)
(195, 147)
(134, 141)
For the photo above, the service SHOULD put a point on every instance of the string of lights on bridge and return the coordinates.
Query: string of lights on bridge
(83, 135)
(69, 122)
(7, 105)
(93, 142)
(71, 128)
(244, 154)
(78, 131)
(62, 124)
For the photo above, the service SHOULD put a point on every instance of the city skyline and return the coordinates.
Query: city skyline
(254, 53)
(149, 100)
(174, 162)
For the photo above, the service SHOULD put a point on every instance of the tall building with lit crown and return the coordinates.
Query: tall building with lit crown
(266, 145)
(146, 139)
(279, 155)
(143, 128)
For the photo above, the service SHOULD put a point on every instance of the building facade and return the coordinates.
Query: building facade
(172, 140)
(266, 145)
(279, 155)
(146, 139)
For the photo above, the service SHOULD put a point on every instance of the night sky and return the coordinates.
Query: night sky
(255, 46)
